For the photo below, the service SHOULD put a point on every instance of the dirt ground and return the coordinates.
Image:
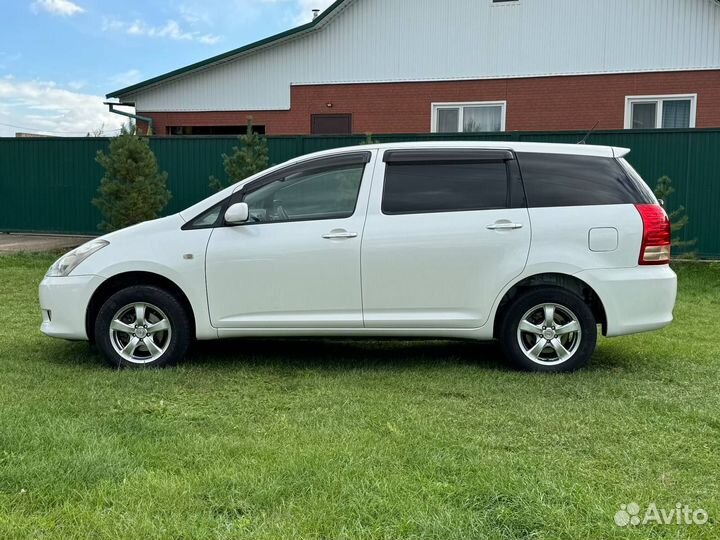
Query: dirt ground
(15, 243)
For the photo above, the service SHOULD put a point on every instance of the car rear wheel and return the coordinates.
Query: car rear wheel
(549, 330)
(142, 326)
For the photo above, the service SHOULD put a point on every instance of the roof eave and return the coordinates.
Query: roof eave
(313, 25)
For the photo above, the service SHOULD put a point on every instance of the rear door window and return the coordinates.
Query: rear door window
(567, 180)
(444, 186)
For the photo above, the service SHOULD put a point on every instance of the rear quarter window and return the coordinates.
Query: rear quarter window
(567, 180)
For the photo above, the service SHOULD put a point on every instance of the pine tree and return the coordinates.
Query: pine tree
(369, 139)
(678, 217)
(132, 189)
(250, 158)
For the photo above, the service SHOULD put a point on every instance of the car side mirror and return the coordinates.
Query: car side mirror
(237, 214)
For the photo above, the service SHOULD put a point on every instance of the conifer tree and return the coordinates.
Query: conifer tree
(132, 189)
(678, 217)
(247, 159)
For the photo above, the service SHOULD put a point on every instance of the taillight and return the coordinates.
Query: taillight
(656, 234)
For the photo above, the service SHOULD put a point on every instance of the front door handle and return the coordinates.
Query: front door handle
(339, 235)
(505, 226)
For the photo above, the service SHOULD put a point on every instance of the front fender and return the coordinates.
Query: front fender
(160, 248)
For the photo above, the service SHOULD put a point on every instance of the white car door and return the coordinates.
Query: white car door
(296, 263)
(446, 231)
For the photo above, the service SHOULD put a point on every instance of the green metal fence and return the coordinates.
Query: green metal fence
(46, 185)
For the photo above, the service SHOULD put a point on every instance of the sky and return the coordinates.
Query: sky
(59, 58)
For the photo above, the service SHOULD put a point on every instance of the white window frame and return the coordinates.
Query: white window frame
(659, 100)
(461, 117)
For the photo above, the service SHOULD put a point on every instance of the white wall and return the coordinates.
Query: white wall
(413, 40)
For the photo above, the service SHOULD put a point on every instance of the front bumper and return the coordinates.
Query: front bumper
(64, 302)
(636, 300)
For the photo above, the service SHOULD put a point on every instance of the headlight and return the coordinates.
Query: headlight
(68, 262)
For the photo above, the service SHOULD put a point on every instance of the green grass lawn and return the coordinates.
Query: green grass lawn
(356, 439)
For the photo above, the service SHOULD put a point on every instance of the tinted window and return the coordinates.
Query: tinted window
(564, 180)
(416, 188)
(317, 194)
(642, 186)
(208, 219)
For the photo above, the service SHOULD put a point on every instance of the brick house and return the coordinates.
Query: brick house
(418, 66)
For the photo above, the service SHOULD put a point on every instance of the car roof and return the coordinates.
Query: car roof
(544, 148)
(529, 147)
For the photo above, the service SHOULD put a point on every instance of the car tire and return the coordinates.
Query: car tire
(142, 327)
(548, 330)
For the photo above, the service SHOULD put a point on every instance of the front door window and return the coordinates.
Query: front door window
(310, 195)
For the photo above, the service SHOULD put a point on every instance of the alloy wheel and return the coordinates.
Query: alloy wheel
(140, 333)
(549, 334)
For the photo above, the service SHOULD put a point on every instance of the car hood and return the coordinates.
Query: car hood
(146, 227)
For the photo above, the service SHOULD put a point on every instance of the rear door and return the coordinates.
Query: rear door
(446, 231)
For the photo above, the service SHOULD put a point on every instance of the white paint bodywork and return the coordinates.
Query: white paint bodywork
(439, 270)
(426, 40)
(425, 275)
(286, 275)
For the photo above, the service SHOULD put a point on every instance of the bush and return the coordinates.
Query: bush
(678, 217)
(132, 190)
(369, 139)
(248, 159)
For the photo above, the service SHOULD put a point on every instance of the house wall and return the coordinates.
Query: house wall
(542, 103)
(367, 41)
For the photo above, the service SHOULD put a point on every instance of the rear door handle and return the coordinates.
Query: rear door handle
(339, 235)
(505, 226)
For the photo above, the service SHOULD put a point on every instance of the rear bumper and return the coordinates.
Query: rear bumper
(64, 302)
(636, 300)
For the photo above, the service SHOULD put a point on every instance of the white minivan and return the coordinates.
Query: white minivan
(535, 245)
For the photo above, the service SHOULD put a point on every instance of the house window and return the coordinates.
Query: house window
(468, 117)
(660, 112)
(331, 124)
(213, 130)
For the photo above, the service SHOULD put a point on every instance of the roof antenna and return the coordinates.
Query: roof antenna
(586, 137)
(316, 13)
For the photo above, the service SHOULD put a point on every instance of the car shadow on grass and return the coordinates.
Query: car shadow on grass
(391, 354)
(375, 353)
(342, 354)
(329, 354)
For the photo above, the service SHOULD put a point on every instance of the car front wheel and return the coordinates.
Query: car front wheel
(549, 330)
(142, 326)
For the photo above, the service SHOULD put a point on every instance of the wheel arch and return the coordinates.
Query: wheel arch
(560, 280)
(120, 281)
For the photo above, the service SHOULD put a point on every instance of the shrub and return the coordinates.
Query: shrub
(250, 158)
(678, 217)
(369, 139)
(132, 189)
